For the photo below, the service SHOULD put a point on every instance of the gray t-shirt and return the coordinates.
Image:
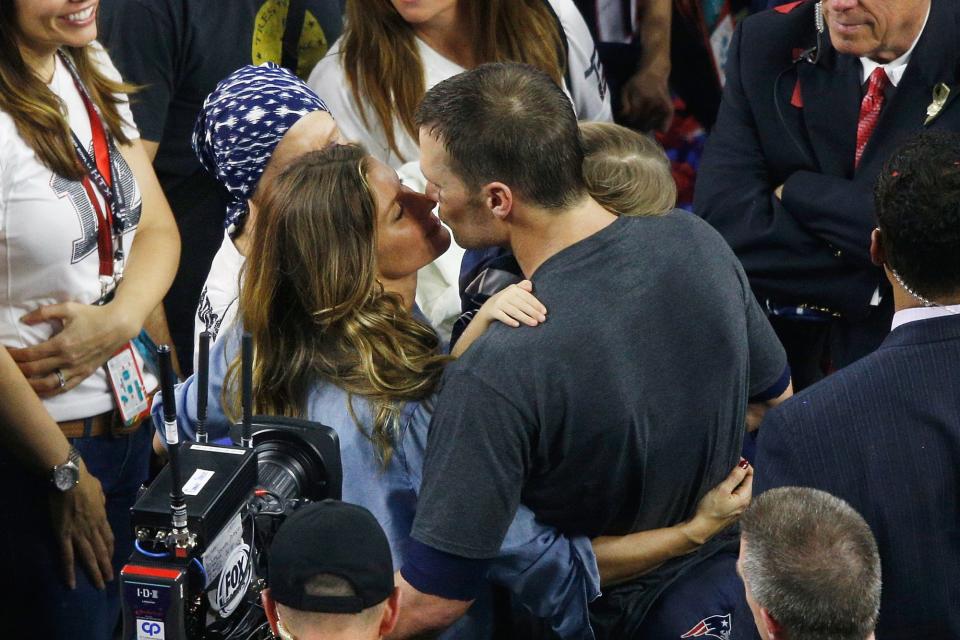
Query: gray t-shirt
(619, 412)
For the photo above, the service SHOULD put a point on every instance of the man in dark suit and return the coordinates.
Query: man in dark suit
(805, 125)
(884, 433)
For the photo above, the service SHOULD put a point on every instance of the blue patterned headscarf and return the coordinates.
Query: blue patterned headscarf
(242, 122)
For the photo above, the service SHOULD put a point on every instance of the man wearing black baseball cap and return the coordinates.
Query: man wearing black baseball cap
(331, 576)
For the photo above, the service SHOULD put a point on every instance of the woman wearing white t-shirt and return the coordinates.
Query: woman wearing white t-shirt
(72, 165)
(393, 51)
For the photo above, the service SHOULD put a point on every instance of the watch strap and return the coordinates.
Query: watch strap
(74, 456)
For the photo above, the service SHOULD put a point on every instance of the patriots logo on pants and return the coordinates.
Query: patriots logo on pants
(712, 627)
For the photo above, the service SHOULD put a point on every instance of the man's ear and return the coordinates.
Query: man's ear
(270, 607)
(877, 255)
(499, 199)
(391, 613)
(775, 630)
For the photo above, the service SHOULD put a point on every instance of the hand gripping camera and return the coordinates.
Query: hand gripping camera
(197, 571)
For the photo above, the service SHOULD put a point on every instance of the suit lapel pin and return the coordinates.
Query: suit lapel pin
(940, 94)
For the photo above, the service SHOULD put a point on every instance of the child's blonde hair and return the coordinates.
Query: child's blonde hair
(626, 171)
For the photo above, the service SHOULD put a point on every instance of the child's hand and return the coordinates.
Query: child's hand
(514, 305)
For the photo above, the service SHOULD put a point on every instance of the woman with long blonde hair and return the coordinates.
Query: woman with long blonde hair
(328, 294)
(89, 247)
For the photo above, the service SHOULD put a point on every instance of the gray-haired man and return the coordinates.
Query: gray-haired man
(810, 566)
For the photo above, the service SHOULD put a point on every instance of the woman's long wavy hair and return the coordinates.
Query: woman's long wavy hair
(38, 113)
(311, 300)
(384, 69)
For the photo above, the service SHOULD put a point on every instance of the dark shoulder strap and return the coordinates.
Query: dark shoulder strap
(565, 52)
(291, 34)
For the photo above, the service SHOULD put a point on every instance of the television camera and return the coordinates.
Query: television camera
(199, 564)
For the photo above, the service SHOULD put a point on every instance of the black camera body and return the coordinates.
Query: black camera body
(219, 482)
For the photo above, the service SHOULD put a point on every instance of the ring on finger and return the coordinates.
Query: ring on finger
(61, 379)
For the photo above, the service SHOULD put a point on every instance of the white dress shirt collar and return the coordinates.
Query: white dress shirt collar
(904, 316)
(895, 68)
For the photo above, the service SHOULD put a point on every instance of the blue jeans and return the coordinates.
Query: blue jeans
(37, 602)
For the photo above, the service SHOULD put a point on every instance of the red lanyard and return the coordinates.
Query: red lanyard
(101, 154)
(100, 178)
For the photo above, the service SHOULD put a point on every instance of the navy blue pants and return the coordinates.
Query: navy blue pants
(707, 601)
(36, 602)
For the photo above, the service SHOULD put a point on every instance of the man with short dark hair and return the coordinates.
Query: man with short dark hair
(618, 413)
(331, 576)
(810, 567)
(884, 433)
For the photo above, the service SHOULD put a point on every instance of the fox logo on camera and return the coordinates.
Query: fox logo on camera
(150, 630)
(234, 580)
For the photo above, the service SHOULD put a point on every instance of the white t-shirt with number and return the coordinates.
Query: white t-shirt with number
(48, 237)
(219, 299)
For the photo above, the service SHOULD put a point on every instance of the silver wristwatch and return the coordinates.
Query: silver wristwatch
(65, 476)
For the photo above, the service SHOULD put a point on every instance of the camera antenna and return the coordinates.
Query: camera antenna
(178, 504)
(203, 371)
(246, 437)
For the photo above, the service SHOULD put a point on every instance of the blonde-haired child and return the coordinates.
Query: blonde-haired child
(626, 171)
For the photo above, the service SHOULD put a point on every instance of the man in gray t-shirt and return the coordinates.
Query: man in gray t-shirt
(618, 413)
(628, 404)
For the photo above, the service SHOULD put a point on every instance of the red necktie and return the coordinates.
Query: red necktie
(870, 109)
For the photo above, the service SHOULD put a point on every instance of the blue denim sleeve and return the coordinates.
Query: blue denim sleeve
(412, 443)
(185, 394)
(556, 577)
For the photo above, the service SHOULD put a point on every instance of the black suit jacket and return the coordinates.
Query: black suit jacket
(884, 435)
(812, 248)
